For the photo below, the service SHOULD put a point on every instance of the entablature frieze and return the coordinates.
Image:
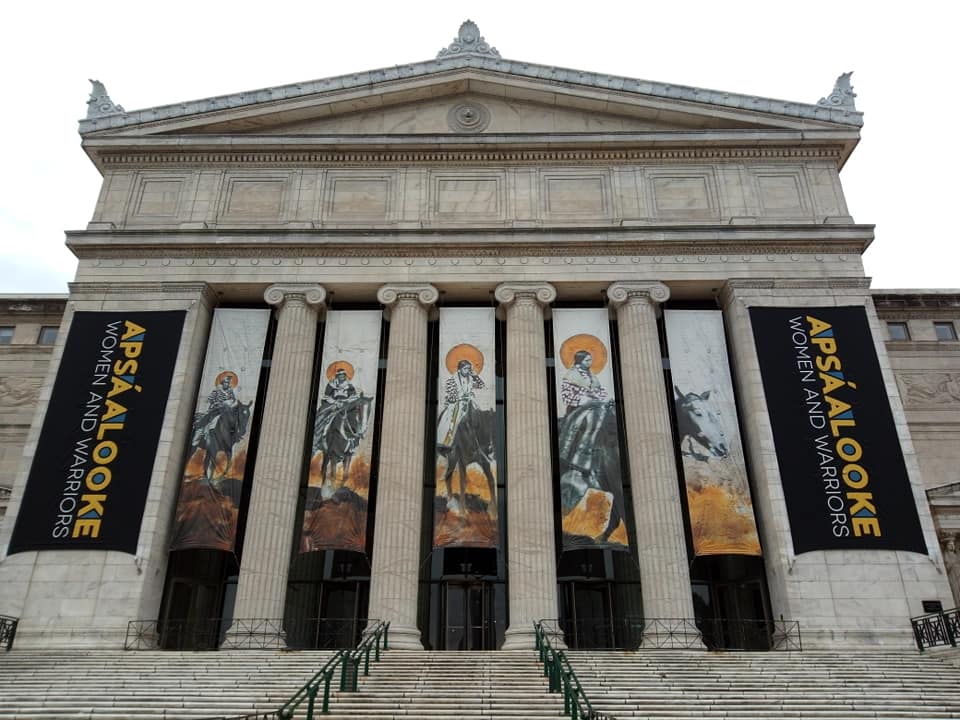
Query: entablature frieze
(459, 158)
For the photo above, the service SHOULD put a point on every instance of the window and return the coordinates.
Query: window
(945, 331)
(898, 331)
(6, 334)
(48, 335)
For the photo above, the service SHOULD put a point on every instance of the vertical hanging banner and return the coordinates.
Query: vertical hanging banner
(338, 487)
(465, 504)
(714, 469)
(844, 478)
(591, 490)
(91, 470)
(212, 484)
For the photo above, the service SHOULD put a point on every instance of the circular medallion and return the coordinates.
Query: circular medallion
(468, 117)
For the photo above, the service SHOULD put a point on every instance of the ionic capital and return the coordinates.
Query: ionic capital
(622, 292)
(508, 292)
(426, 295)
(310, 295)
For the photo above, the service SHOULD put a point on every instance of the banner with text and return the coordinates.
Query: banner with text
(209, 503)
(465, 504)
(844, 477)
(714, 469)
(591, 490)
(338, 487)
(88, 483)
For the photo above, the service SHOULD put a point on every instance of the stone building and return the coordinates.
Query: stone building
(536, 197)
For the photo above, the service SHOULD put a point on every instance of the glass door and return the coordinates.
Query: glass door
(467, 616)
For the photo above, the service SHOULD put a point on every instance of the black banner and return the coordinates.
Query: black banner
(88, 483)
(844, 478)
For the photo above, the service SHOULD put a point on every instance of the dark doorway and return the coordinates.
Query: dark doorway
(327, 598)
(588, 614)
(468, 616)
(731, 604)
(197, 603)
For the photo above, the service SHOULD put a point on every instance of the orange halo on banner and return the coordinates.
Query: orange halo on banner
(464, 351)
(227, 374)
(336, 365)
(584, 341)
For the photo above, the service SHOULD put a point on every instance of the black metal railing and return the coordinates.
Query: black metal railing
(934, 629)
(246, 634)
(562, 678)
(631, 633)
(8, 630)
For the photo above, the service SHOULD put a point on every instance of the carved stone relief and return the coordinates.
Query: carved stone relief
(929, 389)
(950, 545)
(17, 392)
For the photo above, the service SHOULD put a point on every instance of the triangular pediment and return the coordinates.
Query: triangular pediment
(511, 98)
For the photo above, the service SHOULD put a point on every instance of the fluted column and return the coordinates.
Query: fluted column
(661, 543)
(395, 568)
(532, 558)
(262, 585)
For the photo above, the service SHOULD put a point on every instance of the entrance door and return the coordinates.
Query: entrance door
(467, 615)
(192, 618)
(588, 615)
(745, 625)
(340, 625)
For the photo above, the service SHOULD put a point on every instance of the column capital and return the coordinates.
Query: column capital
(622, 291)
(422, 293)
(508, 292)
(312, 295)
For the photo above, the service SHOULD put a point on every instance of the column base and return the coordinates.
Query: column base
(526, 639)
(401, 637)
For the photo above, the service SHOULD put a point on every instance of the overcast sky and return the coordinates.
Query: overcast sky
(901, 177)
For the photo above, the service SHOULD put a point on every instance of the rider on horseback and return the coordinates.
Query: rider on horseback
(338, 391)
(221, 398)
(459, 398)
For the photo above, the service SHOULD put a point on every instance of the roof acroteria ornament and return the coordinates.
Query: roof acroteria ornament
(842, 95)
(100, 103)
(468, 42)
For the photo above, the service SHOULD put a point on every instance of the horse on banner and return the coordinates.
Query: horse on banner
(219, 437)
(337, 435)
(697, 421)
(472, 442)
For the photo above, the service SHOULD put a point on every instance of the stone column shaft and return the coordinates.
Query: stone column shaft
(395, 572)
(262, 585)
(532, 558)
(661, 544)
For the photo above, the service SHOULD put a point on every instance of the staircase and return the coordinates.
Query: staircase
(451, 686)
(115, 685)
(782, 685)
(677, 684)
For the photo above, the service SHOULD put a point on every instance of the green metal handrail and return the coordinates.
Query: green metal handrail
(348, 662)
(350, 677)
(562, 678)
(311, 689)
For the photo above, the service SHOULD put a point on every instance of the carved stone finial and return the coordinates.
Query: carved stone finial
(842, 95)
(468, 42)
(100, 103)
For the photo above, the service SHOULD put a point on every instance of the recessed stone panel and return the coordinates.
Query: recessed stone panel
(468, 196)
(254, 198)
(583, 195)
(681, 194)
(360, 197)
(780, 193)
(159, 198)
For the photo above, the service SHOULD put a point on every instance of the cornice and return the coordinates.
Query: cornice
(198, 290)
(747, 242)
(137, 158)
(834, 283)
(909, 304)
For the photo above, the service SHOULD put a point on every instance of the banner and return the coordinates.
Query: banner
(843, 473)
(91, 470)
(209, 503)
(465, 504)
(338, 487)
(714, 469)
(591, 491)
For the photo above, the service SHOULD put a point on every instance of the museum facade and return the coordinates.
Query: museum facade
(464, 345)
